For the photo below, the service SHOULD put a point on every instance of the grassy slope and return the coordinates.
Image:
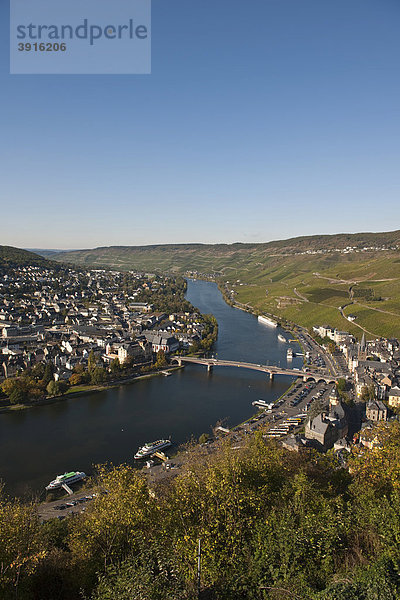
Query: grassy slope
(322, 297)
(307, 289)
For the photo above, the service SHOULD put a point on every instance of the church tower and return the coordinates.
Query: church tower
(362, 349)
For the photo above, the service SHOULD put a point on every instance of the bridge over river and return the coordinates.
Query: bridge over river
(271, 370)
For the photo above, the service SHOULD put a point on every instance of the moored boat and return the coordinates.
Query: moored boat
(267, 321)
(151, 447)
(263, 404)
(66, 479)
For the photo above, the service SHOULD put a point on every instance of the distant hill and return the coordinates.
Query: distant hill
(46, 252)
(16, 257)
(218, 257)
(307, 280)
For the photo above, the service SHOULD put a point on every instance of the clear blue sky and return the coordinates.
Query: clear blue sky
(261, 120)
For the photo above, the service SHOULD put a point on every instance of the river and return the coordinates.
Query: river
(39, 443)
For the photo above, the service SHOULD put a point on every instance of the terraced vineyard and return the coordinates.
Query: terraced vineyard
(317, 291)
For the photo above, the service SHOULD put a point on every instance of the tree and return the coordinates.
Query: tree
(341, 385)
(341, 591)
(53, 388)
(98, 375)
(115, 366)
(195, 347)
(7, 386)
(75, 379)
(161, 360)
(21, 548)
(48, 373)
(316, 408)
(79, 369)
(203, 438)
(92, 362)
(368, 393)
(379, 469)
(16, 390)
(128, 363)
(118, 522)
(38, 371)
(17, 396)
(151, 574)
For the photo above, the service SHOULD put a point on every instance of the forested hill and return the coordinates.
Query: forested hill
(219, 257)
(16, 257)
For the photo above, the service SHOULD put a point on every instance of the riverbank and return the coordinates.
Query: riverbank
(84, 390)
(290, 328)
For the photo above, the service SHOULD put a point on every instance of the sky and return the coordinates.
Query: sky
(260, 120)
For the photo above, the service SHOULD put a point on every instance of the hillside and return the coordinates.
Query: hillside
(209, 258)
(273, 525)
(308, 280)
(16, 257)
(326, 289)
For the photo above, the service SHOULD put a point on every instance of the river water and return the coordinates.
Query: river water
(109, 426)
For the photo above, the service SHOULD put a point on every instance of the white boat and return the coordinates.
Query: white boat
(166, 373)
(151, 447)
(267, 321)
(263, 404)
(289, 354)
(67, 478)
(281, 338)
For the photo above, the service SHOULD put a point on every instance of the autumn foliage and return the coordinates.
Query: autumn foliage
(273, 525)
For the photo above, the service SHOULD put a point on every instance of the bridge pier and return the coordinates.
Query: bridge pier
(209, 368)
(271, 376)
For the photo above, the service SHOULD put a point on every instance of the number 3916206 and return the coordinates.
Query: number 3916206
(42, 47)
